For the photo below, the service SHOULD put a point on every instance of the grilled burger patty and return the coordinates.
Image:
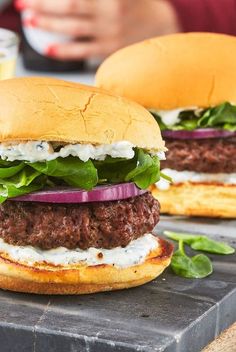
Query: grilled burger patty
(100, 224)
(202, 155)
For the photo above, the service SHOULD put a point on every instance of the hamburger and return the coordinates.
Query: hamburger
(187, 81)
(75, 213)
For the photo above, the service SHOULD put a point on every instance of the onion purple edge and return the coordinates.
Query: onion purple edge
(200, 133)
(72, 195)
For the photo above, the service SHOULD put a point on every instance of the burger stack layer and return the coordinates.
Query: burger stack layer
(188, 84)
(75, 213)
(201, 145)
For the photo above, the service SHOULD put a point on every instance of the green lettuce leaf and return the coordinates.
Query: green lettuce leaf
(10, 191)
(72, 170)
(146, 172)
(219, 116)
(8, 170)
(26, 181)
(143, 169)
(114, 170)
(222, 116)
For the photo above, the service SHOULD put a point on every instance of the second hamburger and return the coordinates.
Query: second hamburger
(187, 81)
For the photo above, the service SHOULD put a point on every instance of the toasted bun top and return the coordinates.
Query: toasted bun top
(179, 70)
(54, 110)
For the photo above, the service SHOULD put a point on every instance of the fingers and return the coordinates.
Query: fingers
(74, 50)
(72, 26)
(82, 50)
(62, 7)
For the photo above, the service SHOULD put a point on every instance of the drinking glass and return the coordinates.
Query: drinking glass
(9, 44)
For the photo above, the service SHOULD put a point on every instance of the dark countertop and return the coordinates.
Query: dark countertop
(170, 314)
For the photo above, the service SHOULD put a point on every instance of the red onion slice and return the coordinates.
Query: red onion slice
(198, 134)
(73, 195)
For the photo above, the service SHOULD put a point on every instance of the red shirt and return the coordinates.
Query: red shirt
(10, 19)
(194, 15)
(206, 15)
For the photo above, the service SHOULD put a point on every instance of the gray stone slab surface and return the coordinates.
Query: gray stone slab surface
(170, 314)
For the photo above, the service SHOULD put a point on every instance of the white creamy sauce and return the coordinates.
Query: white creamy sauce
(34, 151)
(161, 155)
(195, 177)
(133, 254)
(171, 117)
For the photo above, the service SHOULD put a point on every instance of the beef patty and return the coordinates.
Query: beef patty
(100, 224)
(201, 155)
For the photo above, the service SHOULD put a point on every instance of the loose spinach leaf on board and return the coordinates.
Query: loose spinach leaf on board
(207, 245)
(201, 243)
(179, 236)
(196, 267)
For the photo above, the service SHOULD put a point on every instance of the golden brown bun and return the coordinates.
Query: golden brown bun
(54, 110)
(179, 70)
(191, 199)
(81, 279)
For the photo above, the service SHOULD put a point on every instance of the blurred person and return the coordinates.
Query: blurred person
(9, 18)
(100, 27)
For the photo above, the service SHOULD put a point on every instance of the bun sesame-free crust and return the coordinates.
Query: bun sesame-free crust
(174, 71)
(54, 110)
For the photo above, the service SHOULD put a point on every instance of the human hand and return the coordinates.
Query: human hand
(99, 27)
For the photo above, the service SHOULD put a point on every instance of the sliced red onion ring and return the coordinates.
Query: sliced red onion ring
(198, 134)
(73, 195)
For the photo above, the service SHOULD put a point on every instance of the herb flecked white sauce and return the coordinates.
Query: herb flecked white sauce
(195, 177)
(134, 253)
(34, 151)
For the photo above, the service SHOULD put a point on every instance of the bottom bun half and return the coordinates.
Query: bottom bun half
(194, 199)
(82, 279)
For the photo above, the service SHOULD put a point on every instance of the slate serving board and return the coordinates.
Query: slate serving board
(170, 314)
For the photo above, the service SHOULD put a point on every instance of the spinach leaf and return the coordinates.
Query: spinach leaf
(25, 181)
(72, 170)
(114, 170)
(222, 116)
(201, 243)
(10, 170)
(179, 236)
(143, 169)
(146, 172)
(218, 116)
(196, 267)
(166, 177)
(207, 245)
(10, 191)
(230, 127)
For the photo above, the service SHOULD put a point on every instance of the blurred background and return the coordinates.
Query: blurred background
(69, 38)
